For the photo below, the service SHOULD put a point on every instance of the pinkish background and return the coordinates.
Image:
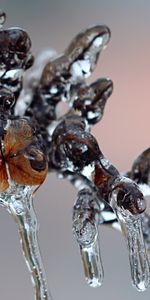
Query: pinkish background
(122, 135)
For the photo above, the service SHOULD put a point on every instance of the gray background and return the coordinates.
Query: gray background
(122, 135)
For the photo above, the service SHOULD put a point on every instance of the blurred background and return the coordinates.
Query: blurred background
(122, 134)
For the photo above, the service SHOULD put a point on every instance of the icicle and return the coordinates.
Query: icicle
(85, 228)
(128, 203)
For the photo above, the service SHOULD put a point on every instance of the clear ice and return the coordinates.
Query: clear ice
(18, 200)
(35, 139)
(85, 228)
(131, 226)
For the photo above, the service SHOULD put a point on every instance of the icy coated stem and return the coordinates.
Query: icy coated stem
(128, 204)
(132, 229)
(25, 218)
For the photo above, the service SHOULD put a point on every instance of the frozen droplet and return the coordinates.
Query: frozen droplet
(2, 18)
(90, 100)
(97, 36)
(140, 171)
(83, 52)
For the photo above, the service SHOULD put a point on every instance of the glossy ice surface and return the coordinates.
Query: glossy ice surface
(34, 139)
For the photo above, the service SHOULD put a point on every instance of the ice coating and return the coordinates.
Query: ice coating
(15, 57)
(18, 201)
(71, 137)
(140, 171)
(128, 212)
(23, 169)
(23, 159)
(84, 50)
(37, 131)
(90, 100)
(22, 155)
(31, 81)
(56, 83)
